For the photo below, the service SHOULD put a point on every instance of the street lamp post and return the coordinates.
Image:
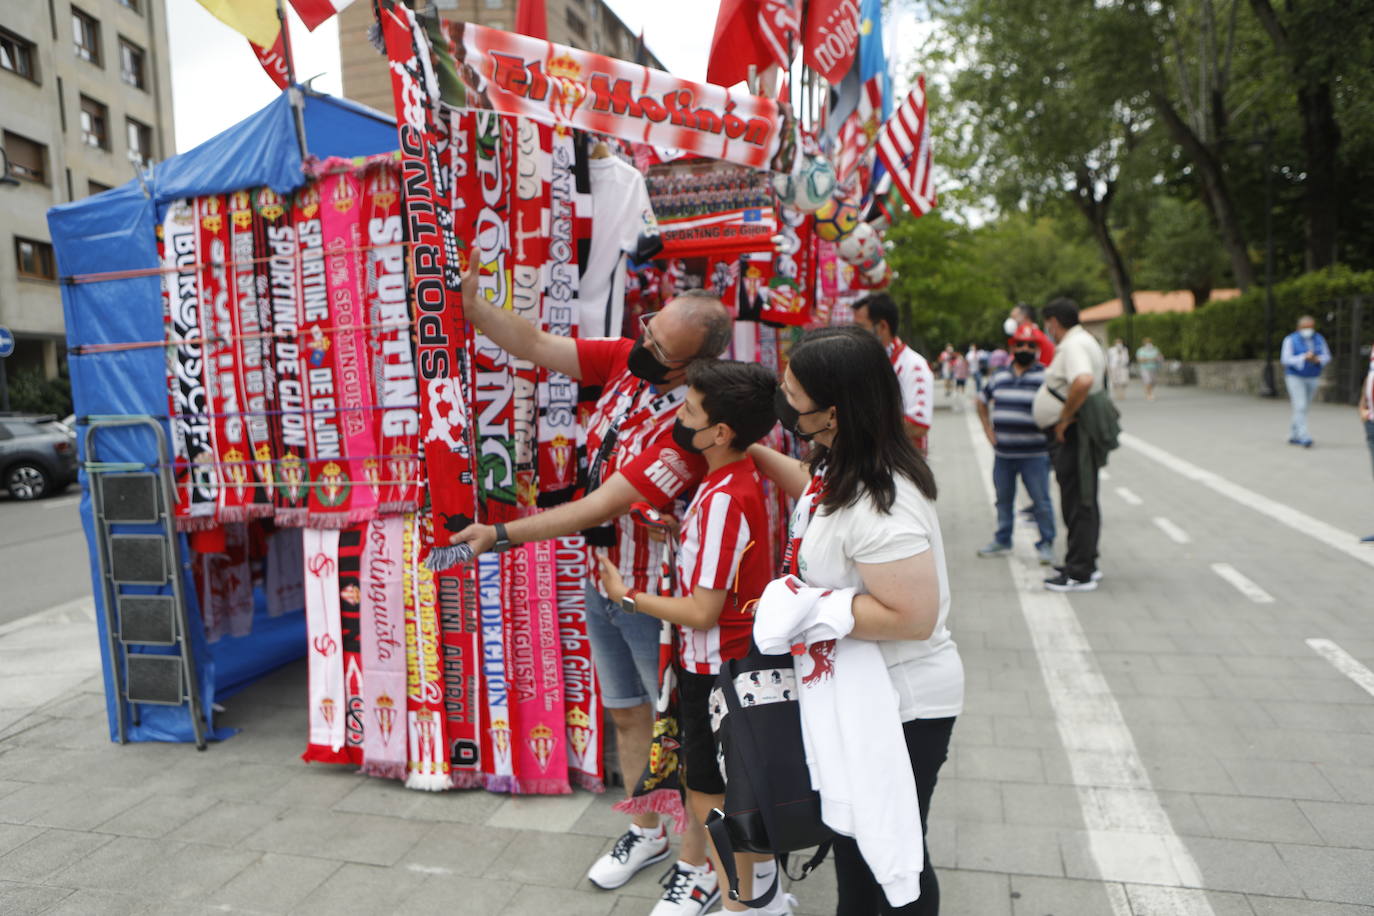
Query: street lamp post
(1267, 387)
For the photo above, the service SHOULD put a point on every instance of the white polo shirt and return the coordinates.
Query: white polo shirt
(1077, 353)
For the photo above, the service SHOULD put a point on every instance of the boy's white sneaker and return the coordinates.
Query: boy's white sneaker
(687, 891)
(635, 849)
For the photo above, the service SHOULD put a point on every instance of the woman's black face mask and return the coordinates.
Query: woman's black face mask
(644, 365)
(790, 416)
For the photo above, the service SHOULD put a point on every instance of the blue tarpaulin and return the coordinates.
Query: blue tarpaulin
(115, 231)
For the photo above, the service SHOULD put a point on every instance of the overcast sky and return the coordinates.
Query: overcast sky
(216, 80)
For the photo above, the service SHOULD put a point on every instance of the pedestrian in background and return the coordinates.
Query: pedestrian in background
(1304, 356)
(1079, 372)
(1020, 448)
(1023, 315)
(998, 359)
(1149, 360)
(1119, 367)
(877, 314)
(960, 379)
(947, 358)
(1367, 415)
(976, 360)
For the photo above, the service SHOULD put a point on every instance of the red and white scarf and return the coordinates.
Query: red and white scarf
(529, 254)
(558, 428)
(225, 586)
(383, 647)
(252, 317)
(581, 695)
(323, 630)
(350, 620)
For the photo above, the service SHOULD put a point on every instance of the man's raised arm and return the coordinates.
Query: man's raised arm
(515, 335)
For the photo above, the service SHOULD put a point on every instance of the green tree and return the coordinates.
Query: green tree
(1180, 249)
(940, 286)
(1036, 258)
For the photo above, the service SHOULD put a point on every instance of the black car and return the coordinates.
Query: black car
(37, 456)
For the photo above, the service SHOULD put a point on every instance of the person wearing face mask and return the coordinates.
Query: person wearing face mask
(1020, 448)
(1022, 316)
(631, 457)
(878, 315)
(724, 560)
(1304, 355)
(865, 520)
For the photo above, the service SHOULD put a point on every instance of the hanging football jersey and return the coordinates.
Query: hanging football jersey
(622, 223)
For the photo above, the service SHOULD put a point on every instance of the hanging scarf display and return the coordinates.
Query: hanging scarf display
(581, 696)
(435, 282)
(394, 390)
(494, 384)
(275, 239)
(536, 673)
(285, 582)
(460, 625)
(323, 630)
(225, 586)
(558, 426)
(251, 343)
(192, 436)
(427, 766)
(789, 300)
(350, 635)
(383, 647)
(498, 770)
(529, 217)
(341, 192)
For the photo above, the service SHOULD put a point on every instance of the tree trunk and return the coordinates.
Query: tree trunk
(1321, 137)
(1201, 294)
(1216, 190)
(1095, 212)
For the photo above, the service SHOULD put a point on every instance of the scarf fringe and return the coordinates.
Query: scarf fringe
(542, 787)
(319, 753)
(384, 769)
(291, 518)
(586, 781)
(429, 782)
(329, 520)
(494, 783)
(233, 514)
(188, 523)
(397, 507)
(447, 557)
(260, 510)
(467, 779)
(659, 801)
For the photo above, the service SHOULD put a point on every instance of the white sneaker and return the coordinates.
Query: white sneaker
(633, 851)
(687, 891)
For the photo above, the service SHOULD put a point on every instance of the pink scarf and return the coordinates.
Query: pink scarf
(384, 648)
(536, 675)
(581, 697)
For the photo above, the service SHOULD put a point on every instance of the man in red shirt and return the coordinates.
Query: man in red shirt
(1021, 316)
(631, 457)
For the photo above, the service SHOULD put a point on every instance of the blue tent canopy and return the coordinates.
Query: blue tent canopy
(115, 231)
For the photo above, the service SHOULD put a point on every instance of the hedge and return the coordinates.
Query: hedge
(1234, 328)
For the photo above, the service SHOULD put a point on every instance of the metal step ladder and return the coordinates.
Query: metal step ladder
(139, 494)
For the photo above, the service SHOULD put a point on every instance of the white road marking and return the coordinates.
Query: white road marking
(1243, 585)
(1129, 834)
(1344, 662)
(1103, 475)
(428, 869)
(1329, 535)
(1128, 496)
(1175, 533)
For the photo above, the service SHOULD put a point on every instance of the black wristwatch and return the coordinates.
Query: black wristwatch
(502, 539)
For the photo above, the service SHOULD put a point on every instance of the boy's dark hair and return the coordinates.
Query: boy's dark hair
(880, 308)
(740, 395)
(1062, 310)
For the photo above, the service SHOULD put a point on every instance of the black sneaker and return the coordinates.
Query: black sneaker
(1096, 576)
(1062, 583)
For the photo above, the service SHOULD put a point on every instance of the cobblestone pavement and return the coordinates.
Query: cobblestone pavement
(1169, 745)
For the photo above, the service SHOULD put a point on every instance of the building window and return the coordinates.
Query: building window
(86, 35)
(493, 4)
(576, 26)
(140, 140)
(33, 259)
(131, 64)
(129, 5)
(95, 187)
(16, 55)
(28, 160)
(95, 123)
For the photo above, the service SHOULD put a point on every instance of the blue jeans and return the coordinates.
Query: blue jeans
(1301, 390)
(624, 650)
(1035, 474)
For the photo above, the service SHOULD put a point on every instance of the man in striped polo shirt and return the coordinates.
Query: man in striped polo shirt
(1020, 447)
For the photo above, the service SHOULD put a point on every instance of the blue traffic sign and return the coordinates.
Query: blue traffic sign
(6, 342)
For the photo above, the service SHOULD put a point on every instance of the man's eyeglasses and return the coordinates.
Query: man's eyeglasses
(652, 344)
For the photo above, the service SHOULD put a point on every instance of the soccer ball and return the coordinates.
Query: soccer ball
(862, 244)
(836, 218)
(809, 186)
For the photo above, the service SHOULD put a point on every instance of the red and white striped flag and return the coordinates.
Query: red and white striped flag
(904, 147)
(860, 129)
(314, 12)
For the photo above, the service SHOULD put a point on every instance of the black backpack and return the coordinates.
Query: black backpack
(770, 806)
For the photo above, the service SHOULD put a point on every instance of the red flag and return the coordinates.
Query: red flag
(832, 37)
(314, 12)
(904, 147)
(739, 41)
(531, 20)
(273, 59)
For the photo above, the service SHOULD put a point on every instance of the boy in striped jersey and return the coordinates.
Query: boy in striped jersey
(724, 560)
(1020, 447)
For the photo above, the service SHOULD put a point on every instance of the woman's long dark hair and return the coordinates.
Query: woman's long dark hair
(846, 368)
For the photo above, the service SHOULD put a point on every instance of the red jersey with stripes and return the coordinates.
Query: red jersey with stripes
(725, 545)
(630, 431)
(916, 381)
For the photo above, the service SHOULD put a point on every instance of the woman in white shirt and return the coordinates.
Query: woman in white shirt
(865, 519)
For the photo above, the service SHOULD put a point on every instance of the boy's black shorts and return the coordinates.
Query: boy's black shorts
(698, 741)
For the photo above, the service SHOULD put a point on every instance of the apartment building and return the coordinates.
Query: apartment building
(586, 24)
(85, 91)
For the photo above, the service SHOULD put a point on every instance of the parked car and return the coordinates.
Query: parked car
(37, 456)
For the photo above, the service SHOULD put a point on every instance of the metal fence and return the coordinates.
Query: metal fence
(1348, 325)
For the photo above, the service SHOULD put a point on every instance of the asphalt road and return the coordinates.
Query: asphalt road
(42, 554)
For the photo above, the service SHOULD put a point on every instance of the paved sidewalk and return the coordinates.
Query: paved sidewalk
(1260, 753)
